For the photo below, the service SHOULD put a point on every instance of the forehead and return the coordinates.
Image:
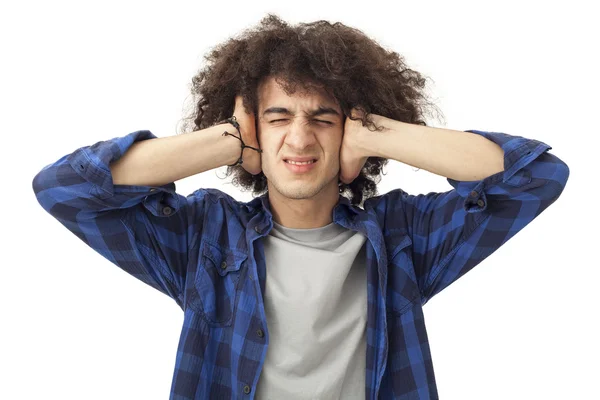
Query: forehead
(270, 94)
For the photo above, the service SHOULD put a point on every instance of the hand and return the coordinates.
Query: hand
(252, 158)
(352, 157)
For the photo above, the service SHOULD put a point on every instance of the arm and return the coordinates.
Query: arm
(138, 223)
(164, 160)
(496, 194)
(453, 154)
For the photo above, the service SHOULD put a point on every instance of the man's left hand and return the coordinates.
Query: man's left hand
(352, 155)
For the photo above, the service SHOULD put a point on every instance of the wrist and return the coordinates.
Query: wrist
(373, 142)
(230, 149)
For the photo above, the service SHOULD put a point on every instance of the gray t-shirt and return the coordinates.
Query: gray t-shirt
(316, 309)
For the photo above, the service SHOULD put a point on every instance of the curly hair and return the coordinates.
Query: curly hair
(350, 66)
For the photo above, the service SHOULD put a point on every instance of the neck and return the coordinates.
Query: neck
(313, 212)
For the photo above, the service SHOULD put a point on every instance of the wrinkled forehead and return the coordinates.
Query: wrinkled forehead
(272, 92)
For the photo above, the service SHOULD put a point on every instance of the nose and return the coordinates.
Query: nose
(300, 134)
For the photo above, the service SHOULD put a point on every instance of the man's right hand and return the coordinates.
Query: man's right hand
(251, 157)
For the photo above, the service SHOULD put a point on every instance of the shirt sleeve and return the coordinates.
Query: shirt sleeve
(144, 230)
(452, 232)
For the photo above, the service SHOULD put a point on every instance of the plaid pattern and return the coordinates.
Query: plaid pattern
(204, 251)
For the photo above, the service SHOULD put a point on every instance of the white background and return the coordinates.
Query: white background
(521, 325)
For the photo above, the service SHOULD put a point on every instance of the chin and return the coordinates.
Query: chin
(302, 190)
(299, 193)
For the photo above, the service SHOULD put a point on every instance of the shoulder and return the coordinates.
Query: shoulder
(224, 200)
(384, 202)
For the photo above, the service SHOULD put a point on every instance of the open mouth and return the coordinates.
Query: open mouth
(296, 166)
(300, 163)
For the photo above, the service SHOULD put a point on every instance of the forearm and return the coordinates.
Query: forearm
(458, 155)
(156, 162)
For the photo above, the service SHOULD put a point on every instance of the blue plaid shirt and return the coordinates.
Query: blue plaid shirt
(204, 251)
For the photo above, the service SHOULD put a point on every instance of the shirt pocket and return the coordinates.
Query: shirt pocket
(217, 284)
(402, 290)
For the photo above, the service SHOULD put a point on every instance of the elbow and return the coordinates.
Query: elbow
(39, 185)
(557, 180)
(561, 175)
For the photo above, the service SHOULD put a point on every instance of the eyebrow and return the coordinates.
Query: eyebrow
(313, 113)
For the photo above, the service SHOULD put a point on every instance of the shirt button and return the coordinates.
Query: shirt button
(480, 203)
(260, 333)
(167, 210)
(224, 264)
(257, 229)
(153, 190)
(473, 194)
(246, 389)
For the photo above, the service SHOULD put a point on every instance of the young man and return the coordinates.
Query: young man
(301, 293)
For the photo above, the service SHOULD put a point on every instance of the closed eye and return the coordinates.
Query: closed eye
(318, 120)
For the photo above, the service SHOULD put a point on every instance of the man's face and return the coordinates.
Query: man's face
(298, 133)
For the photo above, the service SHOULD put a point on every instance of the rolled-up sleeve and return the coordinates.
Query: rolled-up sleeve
(453, 231)
(145, 230)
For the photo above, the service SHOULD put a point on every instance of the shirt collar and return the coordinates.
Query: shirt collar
(342, 210)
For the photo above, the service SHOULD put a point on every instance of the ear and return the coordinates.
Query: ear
(256, 129)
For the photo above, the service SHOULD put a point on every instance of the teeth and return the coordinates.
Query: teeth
(299, 163)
